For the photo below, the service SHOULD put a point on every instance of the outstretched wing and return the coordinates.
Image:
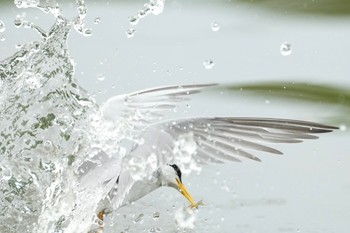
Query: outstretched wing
(220, 139)
(139, 109)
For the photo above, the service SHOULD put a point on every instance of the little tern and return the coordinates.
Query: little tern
(156, 159)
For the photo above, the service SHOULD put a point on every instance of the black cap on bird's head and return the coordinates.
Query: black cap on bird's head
(179, 185)
(177, 170)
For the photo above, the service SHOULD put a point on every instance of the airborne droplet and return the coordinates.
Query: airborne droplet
(101, 77)
(18, 21)
(286, 49)
(342, 127)
(48, 145)
(130, 33)
(87, 32)
(139, 218)
(156, 216)
(2, 26)
(134, 20)
(208, 64)
(215, 26)
(156, 6)
(97, 20)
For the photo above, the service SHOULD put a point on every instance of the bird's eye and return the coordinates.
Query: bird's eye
(177, 170)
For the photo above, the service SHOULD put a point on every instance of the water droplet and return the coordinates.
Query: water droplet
(134, 20)
(142, 13)
(2, 38)
(97, 20)
(6, 173)
(81, 7)
(156, 6)
(27, 24)
(215, 26)
(48, 145)
(155, 229)
(208, 64)
(18, 21)
(2, 26)
(101, 77)
(342, 127)
(225, 188)
(87, 32)
(18, 3)
(286, 49)
(139, 218)
(130, 33)
(156, 215)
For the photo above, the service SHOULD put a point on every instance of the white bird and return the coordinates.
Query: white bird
(161, 148)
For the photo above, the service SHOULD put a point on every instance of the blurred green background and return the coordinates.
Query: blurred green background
(316, 94)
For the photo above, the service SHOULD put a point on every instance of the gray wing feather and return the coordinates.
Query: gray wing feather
(139, 109)
(220, 139)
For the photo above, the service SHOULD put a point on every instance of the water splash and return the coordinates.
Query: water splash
(155, 7)
(53, 134)
(185, 148)
(47, 133)
(185, 217)
(38, 95)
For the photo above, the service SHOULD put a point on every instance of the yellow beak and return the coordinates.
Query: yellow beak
(184, 192)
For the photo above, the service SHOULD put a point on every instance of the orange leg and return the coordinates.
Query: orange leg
(100, 222)
(100, 215)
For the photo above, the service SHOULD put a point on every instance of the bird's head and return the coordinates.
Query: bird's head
(171, 177)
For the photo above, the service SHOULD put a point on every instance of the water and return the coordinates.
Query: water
(41, 80)
(215, 26)
(48, 134)
(2, 26)
(208, 64)
(130, 33)
(155, 7)
(286, 49)
(54, 140)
